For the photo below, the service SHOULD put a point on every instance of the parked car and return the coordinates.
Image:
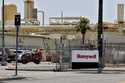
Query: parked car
(12, 55)
(6, 54)
(35, 56)
(26, 56)
(23, 56)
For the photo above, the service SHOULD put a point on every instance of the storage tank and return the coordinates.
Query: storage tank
(120, 13)
(28, 9)
(9, 13)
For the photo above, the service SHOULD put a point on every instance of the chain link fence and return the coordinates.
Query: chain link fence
(59, 51)
(114, 54)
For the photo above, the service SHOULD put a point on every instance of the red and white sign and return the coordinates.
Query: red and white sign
(85, 56)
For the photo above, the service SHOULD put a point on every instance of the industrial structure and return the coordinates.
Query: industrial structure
(32, 35)
(28, 9)
(9, 10)
(30, 14)
(64, 20)
(120, 13)
(58, 26)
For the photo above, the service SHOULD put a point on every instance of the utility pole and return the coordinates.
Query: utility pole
(100, 35)
(3, 40)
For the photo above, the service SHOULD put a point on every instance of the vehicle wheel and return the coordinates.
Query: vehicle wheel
(9, 61)
(24, 60)
(36, 61)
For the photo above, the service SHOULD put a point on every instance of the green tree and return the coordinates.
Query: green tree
(83, 26)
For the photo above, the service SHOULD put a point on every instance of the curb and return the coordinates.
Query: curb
(32, 69)
(11, 78)
(67, 69)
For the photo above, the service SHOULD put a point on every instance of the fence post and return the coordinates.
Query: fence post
(56, 53)
(70, 56)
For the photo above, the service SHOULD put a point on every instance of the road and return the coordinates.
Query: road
(62, 77)
(69, 77)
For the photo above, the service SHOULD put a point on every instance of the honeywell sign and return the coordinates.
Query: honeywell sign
(85, 56)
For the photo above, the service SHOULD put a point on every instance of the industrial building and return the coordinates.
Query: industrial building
(32, 35)
(58, 26)
(28, 9)
(9, 14)
(120, 13)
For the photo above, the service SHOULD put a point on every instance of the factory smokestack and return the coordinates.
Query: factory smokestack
(28, 9)
(120, 13)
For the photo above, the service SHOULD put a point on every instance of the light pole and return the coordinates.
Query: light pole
(43, 16)
(17, 24)
(100, 35)
(3, 41)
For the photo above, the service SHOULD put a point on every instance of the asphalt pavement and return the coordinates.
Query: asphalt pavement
(9, 75)
(43, 71)
(67, 77)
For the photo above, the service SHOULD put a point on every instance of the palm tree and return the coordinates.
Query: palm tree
(82, 27)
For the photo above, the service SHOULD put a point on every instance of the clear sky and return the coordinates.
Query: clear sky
(88, 8)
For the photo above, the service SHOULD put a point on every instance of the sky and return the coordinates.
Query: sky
(87, 8)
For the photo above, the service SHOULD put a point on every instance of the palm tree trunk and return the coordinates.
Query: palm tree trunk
(83, 38)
